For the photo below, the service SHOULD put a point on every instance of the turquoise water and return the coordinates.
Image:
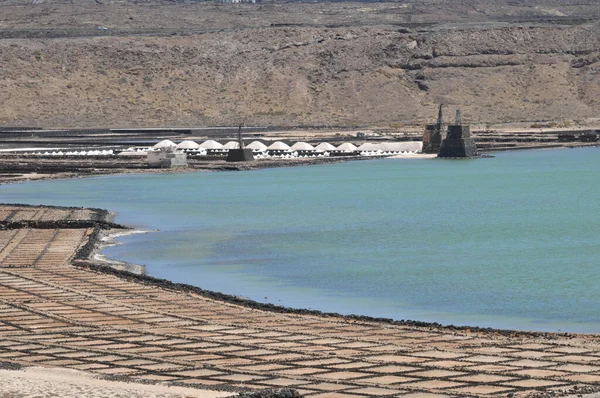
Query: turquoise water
(508, 242)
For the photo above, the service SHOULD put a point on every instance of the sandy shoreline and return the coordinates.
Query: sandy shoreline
(110, 238)
(60, 382)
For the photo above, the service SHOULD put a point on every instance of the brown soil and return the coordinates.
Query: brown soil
(166, 63)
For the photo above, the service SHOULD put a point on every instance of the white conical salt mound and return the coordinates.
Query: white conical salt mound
(325, 146)
(164, 144)
(346, 147)
(211, 144)
(257, 146)
(187, 144)
(279, 146)
(368, 146)
(232, 145)
(302, 146)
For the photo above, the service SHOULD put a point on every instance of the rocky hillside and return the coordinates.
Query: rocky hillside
(155, 64)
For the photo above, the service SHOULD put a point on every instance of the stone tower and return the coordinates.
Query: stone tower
(434, 134)
(458, 142)
(240, 154)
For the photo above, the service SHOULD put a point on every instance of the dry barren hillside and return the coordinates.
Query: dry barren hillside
(85, 64)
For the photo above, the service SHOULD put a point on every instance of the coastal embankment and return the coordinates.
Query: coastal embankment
(35, 154)
(59, 309)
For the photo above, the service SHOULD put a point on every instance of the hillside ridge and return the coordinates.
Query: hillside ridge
(348, 63)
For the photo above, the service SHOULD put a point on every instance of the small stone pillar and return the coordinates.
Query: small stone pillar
(240, 154)
(432, 139)
(434, 134)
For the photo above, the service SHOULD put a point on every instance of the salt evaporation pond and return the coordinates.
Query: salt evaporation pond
(508, 242)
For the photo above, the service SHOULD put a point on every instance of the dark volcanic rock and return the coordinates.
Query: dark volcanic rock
(458, 143)
(282, 393)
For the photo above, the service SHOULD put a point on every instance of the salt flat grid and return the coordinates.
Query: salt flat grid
(56, 314)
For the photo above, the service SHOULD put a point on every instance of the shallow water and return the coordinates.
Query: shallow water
(508, 242)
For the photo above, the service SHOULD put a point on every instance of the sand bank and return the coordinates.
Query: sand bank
(69, 383)
(414, 156)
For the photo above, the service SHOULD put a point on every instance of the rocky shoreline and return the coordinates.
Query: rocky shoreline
(86, 257)
(17, 168)
(105, 229)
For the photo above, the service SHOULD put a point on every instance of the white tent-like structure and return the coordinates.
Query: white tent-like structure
(346, 147)
(211, 144)
(187, 144)
(279, 146)
(302, 146)
(231, 145)
(257, 146)
(164, 144)
(325, 146)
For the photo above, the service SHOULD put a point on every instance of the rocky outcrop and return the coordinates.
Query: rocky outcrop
(271, 393)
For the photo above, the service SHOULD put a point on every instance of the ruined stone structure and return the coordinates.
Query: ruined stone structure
(458, 142)
(458, 121)
(434, 134)
(166, 158)
(240, 154)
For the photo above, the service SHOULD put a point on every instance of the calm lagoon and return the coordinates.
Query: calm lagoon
(508, 242)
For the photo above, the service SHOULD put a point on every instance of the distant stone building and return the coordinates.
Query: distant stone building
(240, 154)
(458, 142)
(166, 158)
(434, 134)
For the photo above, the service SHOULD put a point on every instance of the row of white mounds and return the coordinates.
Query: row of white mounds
(289, 155)
(387, 153)
(257, 146)
(187, 144)
(106, 152)
(276, 149)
